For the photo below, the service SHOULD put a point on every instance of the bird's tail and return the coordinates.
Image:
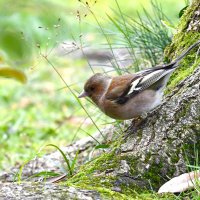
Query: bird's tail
(175, 63)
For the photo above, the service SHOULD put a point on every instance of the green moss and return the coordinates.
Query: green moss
(152, 174)
(106, 193)
(90, 173)
(127, 193)
(191, 152)
(131, 162)
(182, 112)
(181, 41)
(174, 158)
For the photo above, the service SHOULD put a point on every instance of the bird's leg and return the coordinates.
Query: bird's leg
(143, 115)
(135, 124)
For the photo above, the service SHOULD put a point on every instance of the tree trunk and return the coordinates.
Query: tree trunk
(155, 150)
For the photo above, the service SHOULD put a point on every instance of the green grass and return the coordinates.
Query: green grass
(38, 113)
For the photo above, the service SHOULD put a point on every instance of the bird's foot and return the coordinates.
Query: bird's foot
(135, 124)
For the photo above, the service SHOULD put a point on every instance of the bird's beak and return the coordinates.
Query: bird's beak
(83, 94)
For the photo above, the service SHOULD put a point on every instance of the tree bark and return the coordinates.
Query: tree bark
(155, 150)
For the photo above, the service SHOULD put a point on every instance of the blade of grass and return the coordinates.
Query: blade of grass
(46, 174)
(64, 157)
(74, 161)
(72, 92)
(127, 35)
(90, 136)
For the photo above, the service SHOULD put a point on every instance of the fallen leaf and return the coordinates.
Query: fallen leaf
(181, 183)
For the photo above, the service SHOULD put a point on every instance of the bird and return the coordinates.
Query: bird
(131, 95)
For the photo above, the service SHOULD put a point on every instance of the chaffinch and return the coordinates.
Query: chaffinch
(131, 95)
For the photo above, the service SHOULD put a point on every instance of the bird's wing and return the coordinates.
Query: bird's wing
(139, 82)
(147, 79)
(120, 86)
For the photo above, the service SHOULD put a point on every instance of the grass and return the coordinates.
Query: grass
(195, 166)
(144, 38)
(38, 113)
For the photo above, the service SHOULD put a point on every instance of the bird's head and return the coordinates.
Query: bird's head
(95, 87)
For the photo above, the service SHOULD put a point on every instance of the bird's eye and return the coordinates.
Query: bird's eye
(92, 88)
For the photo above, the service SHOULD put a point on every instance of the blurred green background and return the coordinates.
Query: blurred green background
(43, 110)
